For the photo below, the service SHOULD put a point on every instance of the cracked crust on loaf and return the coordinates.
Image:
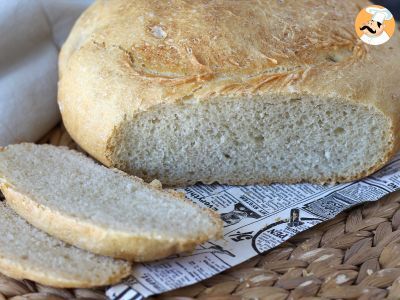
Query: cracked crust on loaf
(140, 80)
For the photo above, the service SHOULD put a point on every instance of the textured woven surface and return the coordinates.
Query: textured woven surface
(354, 256)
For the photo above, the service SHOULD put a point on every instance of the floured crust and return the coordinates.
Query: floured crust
(104, 241)
(128, 57)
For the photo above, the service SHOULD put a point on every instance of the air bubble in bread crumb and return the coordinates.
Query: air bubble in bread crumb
(328, 155)
(158, 32)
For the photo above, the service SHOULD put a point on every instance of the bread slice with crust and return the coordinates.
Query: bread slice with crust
(28, 253)
(105, 211)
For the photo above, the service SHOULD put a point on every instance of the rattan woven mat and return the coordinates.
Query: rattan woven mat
(354, 256)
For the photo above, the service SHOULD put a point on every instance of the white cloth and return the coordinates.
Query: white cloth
(31, 32)
(375, 40)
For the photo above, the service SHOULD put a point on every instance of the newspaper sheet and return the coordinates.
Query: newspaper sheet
(256, 219)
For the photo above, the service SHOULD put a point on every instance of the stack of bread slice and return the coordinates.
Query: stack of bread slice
(70, 222)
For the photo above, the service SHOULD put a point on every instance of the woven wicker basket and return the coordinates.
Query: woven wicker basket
(354, 256)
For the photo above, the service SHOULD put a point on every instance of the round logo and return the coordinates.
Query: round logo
(375, 25)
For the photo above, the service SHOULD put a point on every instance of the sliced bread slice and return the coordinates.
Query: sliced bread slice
(28, 253)
(105, 211)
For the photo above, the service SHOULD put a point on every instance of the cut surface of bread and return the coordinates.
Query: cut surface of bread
(237, 92)
(312, 139)
(28, 253)
(98, 209)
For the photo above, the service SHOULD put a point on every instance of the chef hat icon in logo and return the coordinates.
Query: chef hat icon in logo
(375, 25)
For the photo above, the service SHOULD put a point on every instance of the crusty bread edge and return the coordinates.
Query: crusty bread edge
(100, 240)
(20, 271)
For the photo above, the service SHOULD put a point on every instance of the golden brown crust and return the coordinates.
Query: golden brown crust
(16, 270)
(126, 57)
(99, 240)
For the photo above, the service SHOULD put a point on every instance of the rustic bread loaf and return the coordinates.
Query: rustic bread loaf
(28, 253)
(237, 92)
(69, 196)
